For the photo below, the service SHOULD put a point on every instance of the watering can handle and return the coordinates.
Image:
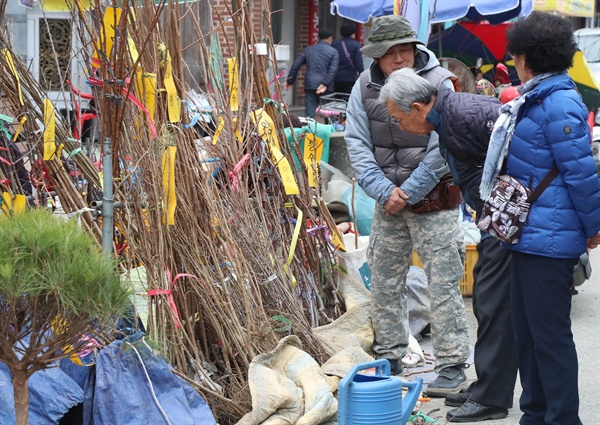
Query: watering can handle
(382, 368)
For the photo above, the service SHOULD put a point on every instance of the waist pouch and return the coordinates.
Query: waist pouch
(444, 196)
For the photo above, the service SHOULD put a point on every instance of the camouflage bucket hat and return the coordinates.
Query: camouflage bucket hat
(389, 31)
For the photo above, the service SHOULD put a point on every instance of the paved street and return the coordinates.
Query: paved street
(586, 328)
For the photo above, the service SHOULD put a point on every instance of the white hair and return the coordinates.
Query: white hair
(404, 87)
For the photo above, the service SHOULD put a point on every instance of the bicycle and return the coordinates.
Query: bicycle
(332, 110)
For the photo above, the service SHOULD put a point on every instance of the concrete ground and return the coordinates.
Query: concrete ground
(586, 329)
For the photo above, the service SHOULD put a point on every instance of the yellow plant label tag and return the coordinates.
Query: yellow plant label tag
(313, 150)
(336, 237)
(150, 92)
(232, 67)
(299, 221)
(59, 150)
(168, 181)
(238, 135)
(20, 204)
(21, 124)
(266, 127)
(285, 170)
(49, 130)
(132, 50)
(106, 39)
(11, 65)
(218, 131)
(173, 102)
(7, 204)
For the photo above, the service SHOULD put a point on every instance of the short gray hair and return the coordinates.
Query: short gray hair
(404, 87)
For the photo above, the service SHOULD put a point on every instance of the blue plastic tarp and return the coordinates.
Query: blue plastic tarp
(133, 385)
(51, 394)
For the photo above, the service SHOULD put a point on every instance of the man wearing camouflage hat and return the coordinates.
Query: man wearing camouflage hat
(399, 170)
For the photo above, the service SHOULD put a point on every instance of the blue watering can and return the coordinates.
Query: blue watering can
(375, 399)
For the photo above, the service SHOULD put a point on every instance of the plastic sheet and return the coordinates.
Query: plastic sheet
(51, 394)
(133, 385)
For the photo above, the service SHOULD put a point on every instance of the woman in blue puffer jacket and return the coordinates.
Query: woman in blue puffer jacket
(550, 130)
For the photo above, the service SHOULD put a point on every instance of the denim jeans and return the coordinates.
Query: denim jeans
(311, 102)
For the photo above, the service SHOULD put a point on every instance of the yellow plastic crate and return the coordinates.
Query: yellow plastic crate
(466, 283)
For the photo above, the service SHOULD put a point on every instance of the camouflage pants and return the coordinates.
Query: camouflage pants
(438, 239)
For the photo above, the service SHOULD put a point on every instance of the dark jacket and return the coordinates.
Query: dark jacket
(321, 64)
(464, 122)
(349, 65)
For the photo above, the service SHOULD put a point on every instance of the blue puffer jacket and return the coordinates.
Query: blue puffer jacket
(321, 65)
(552, 129)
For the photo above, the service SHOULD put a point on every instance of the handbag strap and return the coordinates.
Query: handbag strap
(348, 55)
(543, 185)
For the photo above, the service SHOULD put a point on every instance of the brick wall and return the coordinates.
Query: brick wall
(226, 32)
(222, 20)
(302, 34)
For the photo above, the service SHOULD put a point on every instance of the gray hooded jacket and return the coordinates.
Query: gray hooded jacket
(382, 155)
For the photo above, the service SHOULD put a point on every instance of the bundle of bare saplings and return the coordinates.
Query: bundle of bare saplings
(210, 196)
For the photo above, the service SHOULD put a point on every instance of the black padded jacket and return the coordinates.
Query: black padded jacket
(464, 122)
(321, 65)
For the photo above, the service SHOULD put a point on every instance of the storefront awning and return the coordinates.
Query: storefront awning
(581, 8)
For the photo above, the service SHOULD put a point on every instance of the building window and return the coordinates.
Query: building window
(55, 52)
(277, 20)
(326, 19)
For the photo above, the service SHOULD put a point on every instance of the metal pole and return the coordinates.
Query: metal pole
(107, 200)
(88, 147)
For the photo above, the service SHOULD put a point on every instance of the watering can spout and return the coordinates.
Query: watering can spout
(376, 398)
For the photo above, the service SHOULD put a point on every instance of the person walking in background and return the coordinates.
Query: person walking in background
(549, 128)
(399, 170)
(464, 122)
(351, 60)
(321, 65)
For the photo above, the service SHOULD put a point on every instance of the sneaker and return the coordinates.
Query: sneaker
(410, 360)
(450, 380)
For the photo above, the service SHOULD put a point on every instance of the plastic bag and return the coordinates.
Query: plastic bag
(354, 261)
(364, 207)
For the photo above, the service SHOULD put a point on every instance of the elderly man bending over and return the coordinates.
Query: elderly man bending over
(464, 123)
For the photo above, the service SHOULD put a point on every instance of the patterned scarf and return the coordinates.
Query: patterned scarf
(502, 135)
